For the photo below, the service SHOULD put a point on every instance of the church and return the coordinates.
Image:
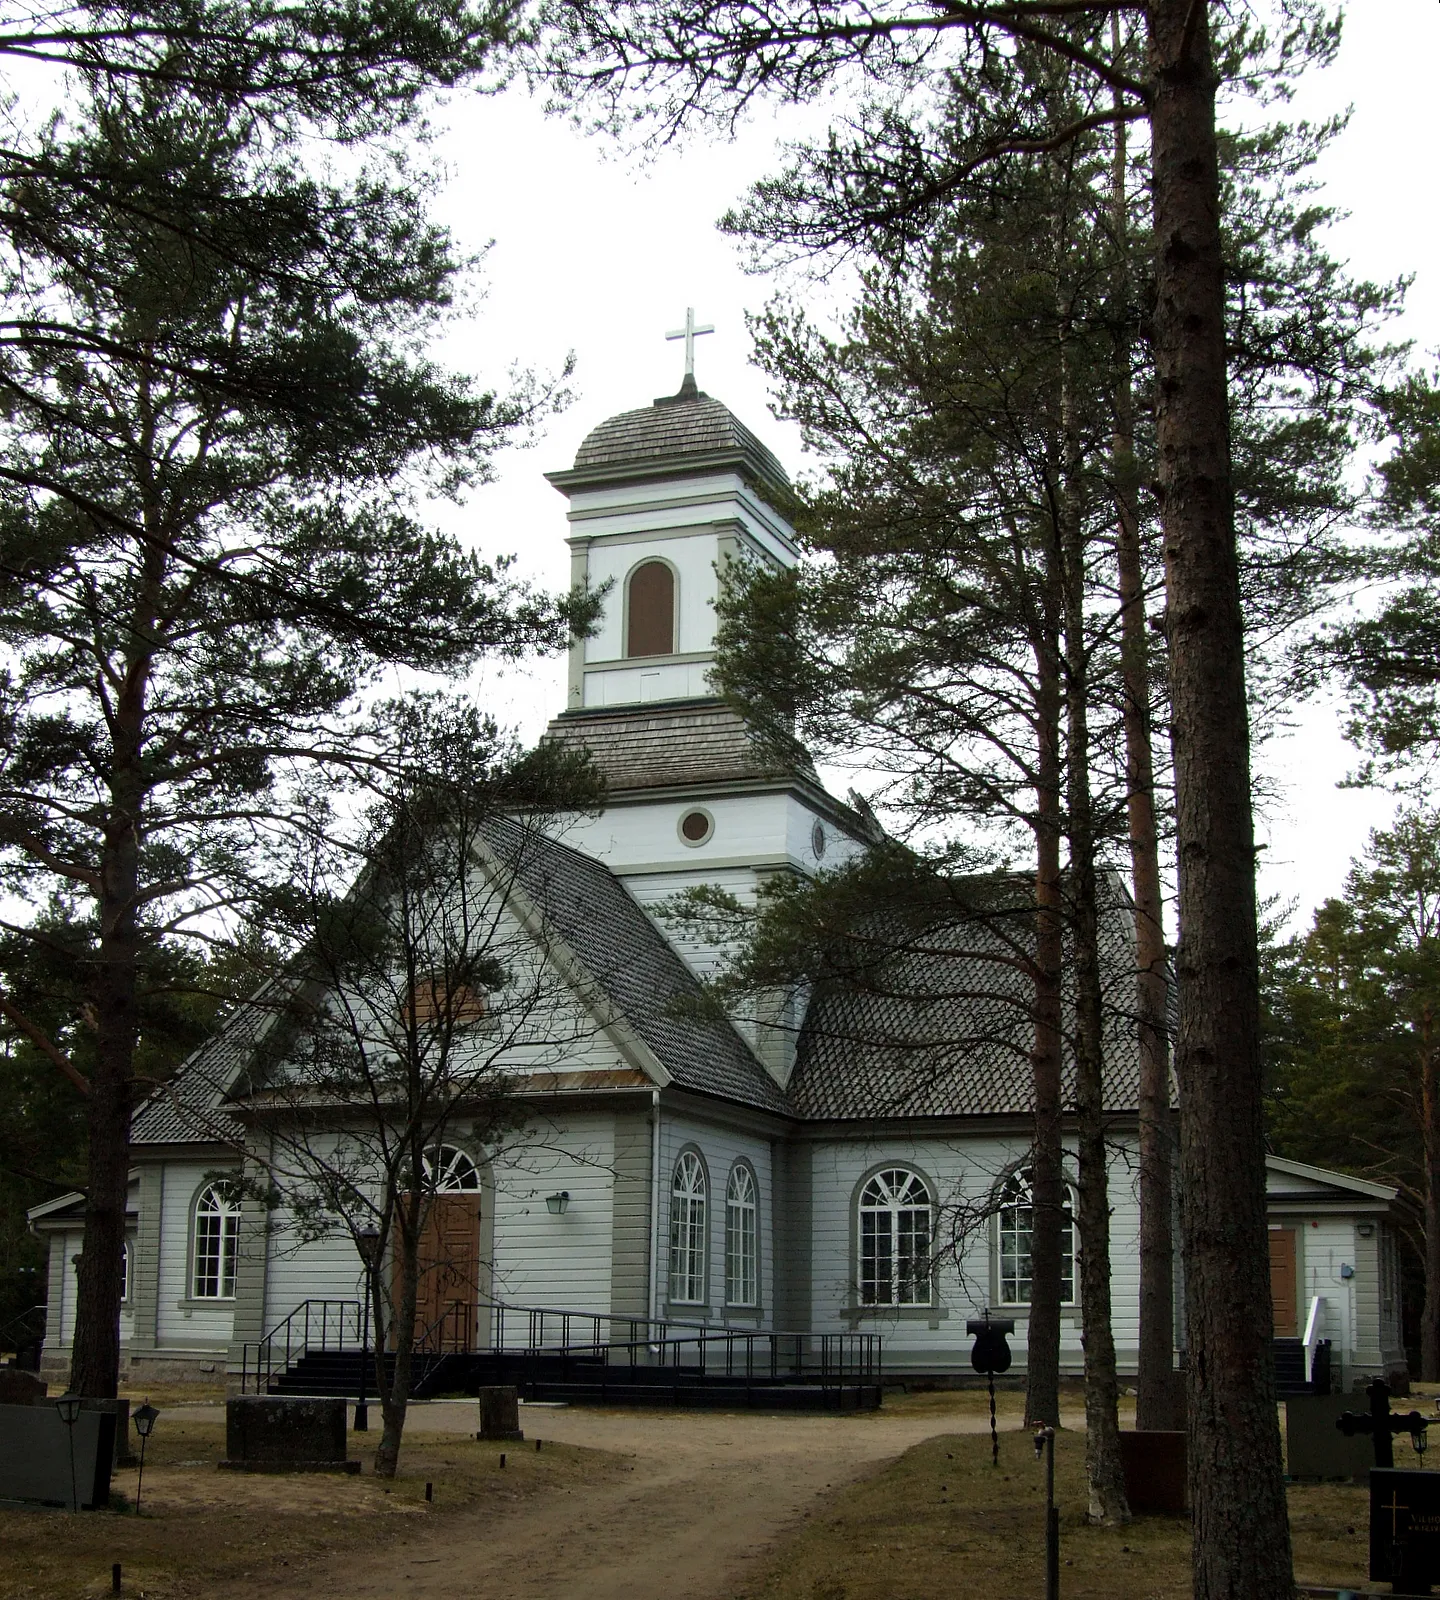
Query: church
(797, 1173)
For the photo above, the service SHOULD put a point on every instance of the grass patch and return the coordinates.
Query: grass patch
(199, 1527)
(941, 1513)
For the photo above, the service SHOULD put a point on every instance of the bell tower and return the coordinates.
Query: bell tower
(660, 499)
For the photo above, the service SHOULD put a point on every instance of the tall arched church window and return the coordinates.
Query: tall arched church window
(687, 1231)
(650, 610)
(895, 1232)
(214, 1242)
(448, 1170)
(742, 1238)
(1016, 1221)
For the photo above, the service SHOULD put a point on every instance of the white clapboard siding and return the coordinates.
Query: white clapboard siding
(966, 1279)
(307, 1269)
(1351, 1320)
(720, 1148)
(544, 1259)
(181, 1321)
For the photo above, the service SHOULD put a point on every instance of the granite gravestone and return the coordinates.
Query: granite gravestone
(499, 1412)
(278, 1433)
(1314, 1445)
(36, 1463)
(1405, 1528)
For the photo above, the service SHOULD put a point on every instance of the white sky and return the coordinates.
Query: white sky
(596, 255)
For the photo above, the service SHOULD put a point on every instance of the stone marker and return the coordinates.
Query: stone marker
(1154, 1464)
(20, 1388)
(1315, 1447)
(1405, 1528)
(278, 1433)
(499, 1412)
(35, 1456)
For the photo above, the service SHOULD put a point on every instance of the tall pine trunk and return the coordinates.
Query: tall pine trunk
(1242, 1534)
(95, 1351)
(1103, 1469)
(1159, 1403)
(1430, 1114)
(1047, 1178)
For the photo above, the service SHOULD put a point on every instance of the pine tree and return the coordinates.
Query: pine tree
(205, 573)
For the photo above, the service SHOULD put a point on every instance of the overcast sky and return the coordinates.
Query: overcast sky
(596, 255)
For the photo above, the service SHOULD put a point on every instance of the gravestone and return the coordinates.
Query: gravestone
(124, 1450)
(1315, 1447)
(278, 1433)
(36, 1461)
(1154, 1464)
(1405, 1528)
(499, 1412)
(20, 1388)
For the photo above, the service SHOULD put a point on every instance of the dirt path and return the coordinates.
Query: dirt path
(701, 1506)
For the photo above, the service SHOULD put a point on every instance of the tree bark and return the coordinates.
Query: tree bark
(95, 1351)
(403, 1297)
(1159, 1402)
(1430, 1112)
(1104, 1473)
(1047, 1179)
(1242, 1535)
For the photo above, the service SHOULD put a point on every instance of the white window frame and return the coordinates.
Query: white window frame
(689, 1227)
(894, 1233)
(742, 1237)
(1012, 1234)
(214, 1243)
(447, 1169)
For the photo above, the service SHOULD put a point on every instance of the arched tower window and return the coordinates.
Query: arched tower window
(895, 1240)
(650, 610)
(1016, 1221)
(687, 1231)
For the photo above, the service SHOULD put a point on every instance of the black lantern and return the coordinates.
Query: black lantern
(367, 1242)
(69, 1406)
(144, 1420)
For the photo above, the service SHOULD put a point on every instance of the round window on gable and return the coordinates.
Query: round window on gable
(696, 827)
(817, 840)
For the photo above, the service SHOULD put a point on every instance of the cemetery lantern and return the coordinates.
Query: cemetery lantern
(991, 1354)
(367, 1242)
(1045, 1446)
(144, 1420)
(68, 1405)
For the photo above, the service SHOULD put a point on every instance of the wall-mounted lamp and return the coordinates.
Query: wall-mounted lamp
(1366, 1230)
(558, 1204)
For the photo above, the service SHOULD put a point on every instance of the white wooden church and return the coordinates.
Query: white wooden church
(789, 1174)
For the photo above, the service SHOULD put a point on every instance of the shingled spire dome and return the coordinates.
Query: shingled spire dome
(688, 432)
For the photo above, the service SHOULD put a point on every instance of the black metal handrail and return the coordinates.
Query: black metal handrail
(544, 1343)
(312, 1325)
(24, 1333)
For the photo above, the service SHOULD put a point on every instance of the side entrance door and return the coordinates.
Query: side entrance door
(449, 1286)
(1283, 1283)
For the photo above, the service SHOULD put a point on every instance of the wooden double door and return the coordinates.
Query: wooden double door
(448, 1290)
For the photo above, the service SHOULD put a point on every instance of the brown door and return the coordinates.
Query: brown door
(449, 1285)
(1282, 1281)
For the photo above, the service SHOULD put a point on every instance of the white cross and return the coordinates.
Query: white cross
(690, 333)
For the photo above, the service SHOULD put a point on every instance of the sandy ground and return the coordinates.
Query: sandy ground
(696, 1510)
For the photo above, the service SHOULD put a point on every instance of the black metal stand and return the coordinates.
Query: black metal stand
(362, 1410)
(994, 1431)
(1045, 1445)
(140, 1479)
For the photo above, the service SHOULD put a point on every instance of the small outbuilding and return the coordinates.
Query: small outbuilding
(1335, 1270)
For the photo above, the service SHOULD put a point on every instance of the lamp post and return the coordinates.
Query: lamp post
(144, 1421)
(68, 1405)
(367, 1242)
(1045, 1445)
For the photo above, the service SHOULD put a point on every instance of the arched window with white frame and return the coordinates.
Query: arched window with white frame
(688, 1212)
(896, 1223)
(650, 610)
(215, 1241)
(1016, 1222)
(448, 1170)
(742, 1238)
